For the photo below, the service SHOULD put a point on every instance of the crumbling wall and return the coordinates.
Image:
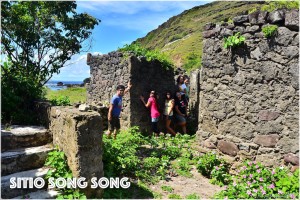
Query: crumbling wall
(107, 71)
(249, 96)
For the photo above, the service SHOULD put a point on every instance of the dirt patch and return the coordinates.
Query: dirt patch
(184, 186)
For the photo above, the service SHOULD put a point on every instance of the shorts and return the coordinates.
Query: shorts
(168, 117)
(180, 119)
(114, 123)
(154, 119)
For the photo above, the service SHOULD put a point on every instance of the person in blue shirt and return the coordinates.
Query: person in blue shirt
(115, 109)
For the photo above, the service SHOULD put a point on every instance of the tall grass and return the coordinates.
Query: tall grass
(76, 94)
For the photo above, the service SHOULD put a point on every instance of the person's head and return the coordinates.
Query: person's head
(187, 81)
(168, 95)
(153, 93)
(180, 79)
(120, 90)
(178, 95)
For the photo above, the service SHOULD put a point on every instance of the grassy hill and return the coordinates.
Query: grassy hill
(181, 36)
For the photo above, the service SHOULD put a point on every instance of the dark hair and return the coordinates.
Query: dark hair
(120, 87)
(178, 78)
(169, 92)
(155, 94)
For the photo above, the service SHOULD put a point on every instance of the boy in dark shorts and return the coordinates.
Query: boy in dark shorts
(115, 109)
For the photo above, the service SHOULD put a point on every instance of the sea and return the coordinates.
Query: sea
(52, 85)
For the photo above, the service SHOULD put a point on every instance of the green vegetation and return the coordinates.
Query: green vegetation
(192, 196)
(145, 159)
(193, 61)
(167, 188)
(234, 41)
(174, 196)
(59, 169)
(269, 30)
(34, 54)
(61, 101)
(67, 96)
(274, 5)
(258, 182)
(150, 55)
(191, 22)
(18, 91)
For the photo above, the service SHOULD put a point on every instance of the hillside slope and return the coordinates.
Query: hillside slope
(181, 35)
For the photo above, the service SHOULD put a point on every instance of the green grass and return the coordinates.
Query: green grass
(75, 94)
(191, 22)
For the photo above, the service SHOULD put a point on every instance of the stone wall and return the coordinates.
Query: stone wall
(107, 71)
(79, 135)
(249, 97)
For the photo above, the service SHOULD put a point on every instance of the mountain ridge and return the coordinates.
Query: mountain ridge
(180, 37)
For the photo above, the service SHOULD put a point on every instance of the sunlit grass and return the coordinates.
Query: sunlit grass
(76, 94)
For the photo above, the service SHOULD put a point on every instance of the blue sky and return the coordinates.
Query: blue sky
(122, 22)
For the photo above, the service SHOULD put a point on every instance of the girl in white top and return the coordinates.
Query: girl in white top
(168, 112)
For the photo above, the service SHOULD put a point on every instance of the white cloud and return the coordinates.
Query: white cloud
(75, 70)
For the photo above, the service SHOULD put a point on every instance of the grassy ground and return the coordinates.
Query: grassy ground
(75, 94)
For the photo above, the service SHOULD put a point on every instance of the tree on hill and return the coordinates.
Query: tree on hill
(37, 39)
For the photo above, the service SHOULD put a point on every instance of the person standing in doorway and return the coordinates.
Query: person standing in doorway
(168, 112)
(153, 105)
(115, 109)
(181, 111)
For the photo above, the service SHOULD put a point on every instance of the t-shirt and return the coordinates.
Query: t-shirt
(117, 105)
(181, 105)
(153, 107)
(168, 105)
(182, 87)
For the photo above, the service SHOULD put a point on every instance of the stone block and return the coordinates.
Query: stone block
(209, 144)
(79, 135)
(238, 20)
(276, 16)
(267, 115)
(292, 20)
(228, 148)
(290, 158)
(266, 140)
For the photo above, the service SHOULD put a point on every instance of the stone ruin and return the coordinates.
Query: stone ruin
(245, 101)
(249, 97)
(108, 71)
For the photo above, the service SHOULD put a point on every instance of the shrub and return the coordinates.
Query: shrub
(60, 101)
(234, 41)
(269, 30)
(258, 182)
(192, 196)
(192, 61)
(150, 55)
(18, 95)
(208, 162)
(274, 5)
(59, 169)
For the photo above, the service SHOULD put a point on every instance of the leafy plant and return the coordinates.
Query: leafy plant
(269, 30)
(59, 169)
(208, 162)
(150, 55)
(234, 41)
(60, 101)
(174, 196)
(192, 196)
(252, 10)
(220, 174)
(274, 5)
(167, 188)
(256, 181)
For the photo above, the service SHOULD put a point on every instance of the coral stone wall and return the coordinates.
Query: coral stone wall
(79, 135)
(249, 97)
(107, 71)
